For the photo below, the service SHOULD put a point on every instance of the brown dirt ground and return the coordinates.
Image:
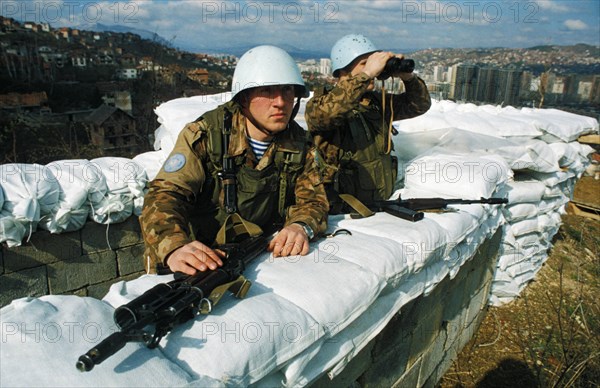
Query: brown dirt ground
(550, 335)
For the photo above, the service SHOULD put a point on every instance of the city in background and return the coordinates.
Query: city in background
(70, 93)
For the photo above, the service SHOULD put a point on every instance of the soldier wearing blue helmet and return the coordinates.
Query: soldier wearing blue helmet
(351, 123)
(259, 172)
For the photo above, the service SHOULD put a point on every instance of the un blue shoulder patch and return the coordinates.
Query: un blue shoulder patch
(174, 163)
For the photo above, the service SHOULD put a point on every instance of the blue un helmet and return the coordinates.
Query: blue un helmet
(347, 49)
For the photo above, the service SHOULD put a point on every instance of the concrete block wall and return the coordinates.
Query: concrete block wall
(85, 262)
(420, 343)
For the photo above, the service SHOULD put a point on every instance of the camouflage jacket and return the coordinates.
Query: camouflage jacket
(184, 201)
(351, 127)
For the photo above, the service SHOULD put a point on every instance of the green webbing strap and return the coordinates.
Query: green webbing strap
(238, 287)
(234, 226)
(283, 179)
(356, 205)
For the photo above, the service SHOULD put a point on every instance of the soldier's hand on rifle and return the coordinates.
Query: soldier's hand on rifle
(291, 240)
(193, 257)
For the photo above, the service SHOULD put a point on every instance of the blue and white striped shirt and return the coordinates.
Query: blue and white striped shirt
(259, 147)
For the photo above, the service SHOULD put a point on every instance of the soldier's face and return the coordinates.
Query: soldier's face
(356, 67)
(270, 107)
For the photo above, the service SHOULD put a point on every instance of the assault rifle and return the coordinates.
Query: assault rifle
(412, 209)
(149, 317)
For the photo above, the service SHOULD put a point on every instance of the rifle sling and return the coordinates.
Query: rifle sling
(234, 226)
(238, 287)
(356, 205)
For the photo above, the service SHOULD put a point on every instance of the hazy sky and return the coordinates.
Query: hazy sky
(315, 25)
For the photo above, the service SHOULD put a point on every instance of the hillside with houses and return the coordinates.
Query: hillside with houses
(69, 93)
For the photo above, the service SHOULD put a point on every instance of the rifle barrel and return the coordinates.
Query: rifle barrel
(109, 346)
(167, 305)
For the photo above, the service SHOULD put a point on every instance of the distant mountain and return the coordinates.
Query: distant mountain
(581, 48)
(145, 34)
(296, 53)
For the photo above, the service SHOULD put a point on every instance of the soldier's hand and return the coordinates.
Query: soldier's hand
(290, 241)
(193, 257)
(376, 62)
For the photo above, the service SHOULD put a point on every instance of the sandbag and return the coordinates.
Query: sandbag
(126, 181)
(82, 188)
(31, 193)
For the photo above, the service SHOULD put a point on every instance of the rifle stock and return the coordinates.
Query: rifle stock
(168, 305)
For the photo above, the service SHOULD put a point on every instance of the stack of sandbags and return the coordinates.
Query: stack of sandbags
(541, 149)
(537, 201)
(63, 195)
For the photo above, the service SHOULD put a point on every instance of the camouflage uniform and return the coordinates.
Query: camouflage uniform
(350, 127)
(185, 201)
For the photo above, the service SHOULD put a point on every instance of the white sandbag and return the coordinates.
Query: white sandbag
(532, 265)
(30, 190)
(564, 125)
(30, 193)
(574, 155)
(563, 189)
(490, 120)
(151, 162)
(163, 140)
(519, 211)
(328, 278)
(508, 121)
(524, 190)
(13, 231)
(519, 155)
(433, 119)
(514, 256)
(42, 339)
(471, 121)
(421, 243)
(450, 174)
(551, 179)
(173, 115)
(126, 181)
(385, 259)
(542, 157)
(584, 150)
(565, 154)
(82, 187)
(430, 121)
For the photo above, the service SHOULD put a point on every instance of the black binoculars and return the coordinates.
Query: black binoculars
(396, 65)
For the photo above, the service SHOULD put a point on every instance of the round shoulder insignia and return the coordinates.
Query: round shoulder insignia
(174, 163)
